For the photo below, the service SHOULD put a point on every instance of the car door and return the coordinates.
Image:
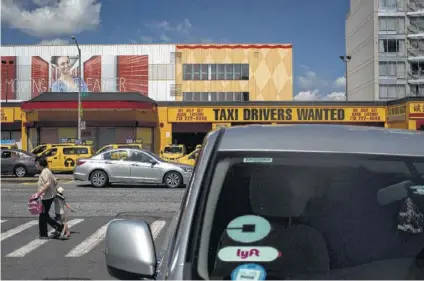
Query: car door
(117, 163)
(6, 162)
(54, 159)
(144, 168)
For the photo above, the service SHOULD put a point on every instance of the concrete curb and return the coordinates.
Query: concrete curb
(33, 179)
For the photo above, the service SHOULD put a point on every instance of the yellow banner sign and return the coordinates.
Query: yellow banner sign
(277, 114)
(416, 107)
(7, 115)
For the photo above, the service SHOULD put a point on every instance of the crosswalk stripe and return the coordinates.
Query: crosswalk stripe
(2, 221)
(18, 229)
(156, 227)
(88, 244)
(34, 244)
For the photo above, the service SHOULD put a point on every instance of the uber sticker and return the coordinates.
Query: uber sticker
(238, 254)
(248, 271)
(248, 229)
(257, 160)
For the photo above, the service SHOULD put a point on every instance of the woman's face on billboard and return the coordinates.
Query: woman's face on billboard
(64, 64)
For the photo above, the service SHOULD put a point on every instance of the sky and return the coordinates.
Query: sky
(316, 28)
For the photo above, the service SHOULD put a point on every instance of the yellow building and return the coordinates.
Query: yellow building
(234, 72)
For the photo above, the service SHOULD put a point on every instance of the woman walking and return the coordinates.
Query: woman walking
(46, 187)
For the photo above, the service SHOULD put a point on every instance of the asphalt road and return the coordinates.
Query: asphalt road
(23, 256)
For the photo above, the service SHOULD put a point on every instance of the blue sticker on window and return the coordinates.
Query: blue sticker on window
(248, 271)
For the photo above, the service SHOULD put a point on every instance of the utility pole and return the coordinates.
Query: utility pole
(346, 59)
(6, 64)
(79, 88)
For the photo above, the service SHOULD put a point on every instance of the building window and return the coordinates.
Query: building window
(392, 5)
(216, 96)
(417, 68)
(392, 69)
(244, 72)
(212, 67)
(220, 72)
(188, 71)
(393, 24)
(216, 72)
(392, 91)
(392, 46)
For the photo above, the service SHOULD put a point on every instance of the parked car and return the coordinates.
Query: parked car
(131, 166)
(289, 202)
(18, 162)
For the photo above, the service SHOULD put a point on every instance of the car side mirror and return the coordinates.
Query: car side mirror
(130, 250)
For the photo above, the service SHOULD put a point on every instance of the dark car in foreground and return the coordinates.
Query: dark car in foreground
(289, 202)
(17, 162)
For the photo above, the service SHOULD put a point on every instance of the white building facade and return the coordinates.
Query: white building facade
(29, 70)
(385, 39)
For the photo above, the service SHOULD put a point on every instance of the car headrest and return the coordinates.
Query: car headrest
(275, 192)
(393, 193)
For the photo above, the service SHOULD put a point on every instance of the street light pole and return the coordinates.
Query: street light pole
(79, 87)
(6, 64)
(346, 59)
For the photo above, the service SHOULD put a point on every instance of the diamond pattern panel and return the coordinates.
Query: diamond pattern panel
(270, 69)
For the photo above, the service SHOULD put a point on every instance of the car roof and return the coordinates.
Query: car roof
(323, 138)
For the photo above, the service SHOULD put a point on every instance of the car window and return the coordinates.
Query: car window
(6, 154)
(39, 149)
(128, 146)
(51, 152)
(139, 156)
(106, 148)
(116, 155)
(173, 149)
(296, 217)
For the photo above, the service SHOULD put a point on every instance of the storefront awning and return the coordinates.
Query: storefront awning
(101, 100)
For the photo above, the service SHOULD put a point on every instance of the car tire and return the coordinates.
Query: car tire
(99, 178)
(20, 171)
(173, 179)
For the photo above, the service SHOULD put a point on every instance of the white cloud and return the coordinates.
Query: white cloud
(316, 95)
(310, 80)
(56, 41)
(183, 27)
(340, 82)
(53, 18)
(146, 39)
(165, 38)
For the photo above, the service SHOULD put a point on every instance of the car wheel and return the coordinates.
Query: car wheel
(173, 179)
(20, 171)
(99, 178)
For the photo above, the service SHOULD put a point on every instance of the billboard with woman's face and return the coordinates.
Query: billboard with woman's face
(26, 77)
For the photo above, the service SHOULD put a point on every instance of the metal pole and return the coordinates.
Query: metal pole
(79, 88)
(346, 81)
(346, 59)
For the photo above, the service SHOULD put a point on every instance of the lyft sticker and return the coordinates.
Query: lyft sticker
(248, 254)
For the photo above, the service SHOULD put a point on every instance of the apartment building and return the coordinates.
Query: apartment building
(385, 39)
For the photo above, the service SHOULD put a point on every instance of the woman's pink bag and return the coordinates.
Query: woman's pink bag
(35, 206)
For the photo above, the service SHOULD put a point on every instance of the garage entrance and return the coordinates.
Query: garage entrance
(190, 134)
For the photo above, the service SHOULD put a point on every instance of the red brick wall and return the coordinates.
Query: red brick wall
(8, 78)
(39, 76)
(93, 73)
(133, 74)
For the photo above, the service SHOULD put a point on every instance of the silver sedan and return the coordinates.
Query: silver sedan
(131, 166)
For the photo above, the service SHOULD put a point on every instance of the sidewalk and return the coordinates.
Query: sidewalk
(13, 179)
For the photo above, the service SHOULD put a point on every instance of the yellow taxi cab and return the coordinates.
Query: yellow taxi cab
(44, 147)
(8, 144)
(64, 158)
(119, 145)
(191, 158)
(173, 152)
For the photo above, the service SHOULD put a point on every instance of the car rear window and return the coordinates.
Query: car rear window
(317, 216)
